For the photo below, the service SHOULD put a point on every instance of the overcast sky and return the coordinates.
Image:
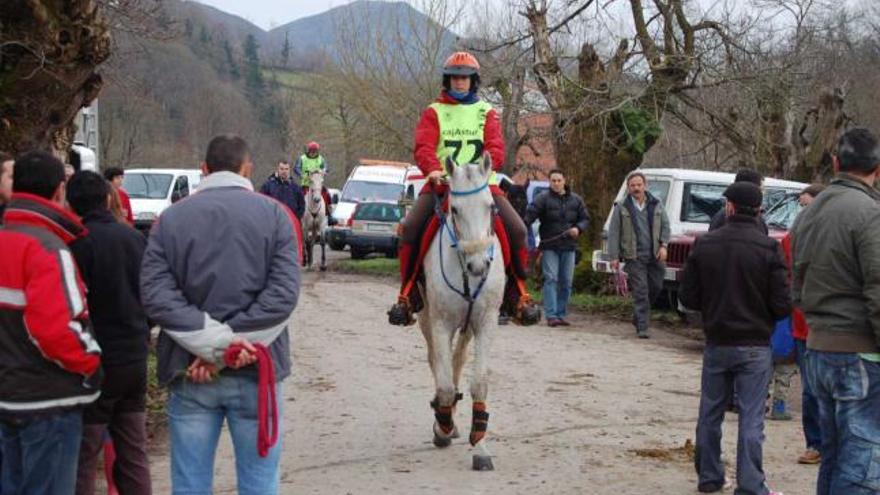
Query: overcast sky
(270, 13)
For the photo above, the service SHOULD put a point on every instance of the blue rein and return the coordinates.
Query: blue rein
(468, 193)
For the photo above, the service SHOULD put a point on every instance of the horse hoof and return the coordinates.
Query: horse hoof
(323, 268)
(442, 442)
(483, 463)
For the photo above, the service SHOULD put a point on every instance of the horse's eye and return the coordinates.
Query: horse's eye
(454, 210)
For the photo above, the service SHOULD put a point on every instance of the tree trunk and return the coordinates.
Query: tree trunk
(513, 99)
(49, 50)
(818, 136)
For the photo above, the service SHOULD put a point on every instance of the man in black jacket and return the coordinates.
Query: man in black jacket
(736, 277)
(109, 259)
(563, 217)
(280, 187)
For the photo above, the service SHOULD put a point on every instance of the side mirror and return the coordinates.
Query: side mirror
(176, 196)
(334, 199)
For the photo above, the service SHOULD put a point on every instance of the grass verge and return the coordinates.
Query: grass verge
(386, 267)
(611, 306)
(616, 307)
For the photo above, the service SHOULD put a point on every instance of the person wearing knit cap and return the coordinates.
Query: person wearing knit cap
(744, 175)
(736, 277)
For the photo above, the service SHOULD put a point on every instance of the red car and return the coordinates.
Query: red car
(779, 219)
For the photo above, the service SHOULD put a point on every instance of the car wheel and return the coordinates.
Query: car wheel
(357, 254)
(336, 244)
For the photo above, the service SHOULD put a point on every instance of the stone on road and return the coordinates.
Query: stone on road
(584, 409)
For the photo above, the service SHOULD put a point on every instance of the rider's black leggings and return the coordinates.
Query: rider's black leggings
(418, 217)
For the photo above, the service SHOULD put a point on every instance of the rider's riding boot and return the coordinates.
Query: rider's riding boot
(401, 313)
(525, 311)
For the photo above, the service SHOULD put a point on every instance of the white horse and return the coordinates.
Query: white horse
(314, 220)
(463, 288)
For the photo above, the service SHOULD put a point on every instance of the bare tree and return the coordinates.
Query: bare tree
(607, 112)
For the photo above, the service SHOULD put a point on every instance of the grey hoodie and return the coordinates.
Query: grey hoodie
(221, 262)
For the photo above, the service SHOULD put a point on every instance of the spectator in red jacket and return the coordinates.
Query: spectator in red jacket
(810, 407)
(49, 359)
(460, 126)
(114, 175)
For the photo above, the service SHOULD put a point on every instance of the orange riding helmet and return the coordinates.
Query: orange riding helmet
(461, 64)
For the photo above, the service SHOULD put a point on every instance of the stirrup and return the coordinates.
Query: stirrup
(401, 313)
(527, 312)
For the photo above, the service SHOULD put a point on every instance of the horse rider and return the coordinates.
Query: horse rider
(462, 126)
(309, 162)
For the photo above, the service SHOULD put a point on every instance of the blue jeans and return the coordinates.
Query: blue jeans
(196, 413)
(748, 369)
(809, 405)
(40, 455)
(848, 391)
(557, 268)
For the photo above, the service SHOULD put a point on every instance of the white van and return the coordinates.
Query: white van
(691, 198)
(373, 181)
(153, 189)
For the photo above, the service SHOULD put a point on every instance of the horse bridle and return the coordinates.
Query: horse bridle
(464, 248)
(314, 212)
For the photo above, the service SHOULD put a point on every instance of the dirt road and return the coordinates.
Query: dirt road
(586, 410)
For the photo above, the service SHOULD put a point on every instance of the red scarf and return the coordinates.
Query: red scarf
(266, 402)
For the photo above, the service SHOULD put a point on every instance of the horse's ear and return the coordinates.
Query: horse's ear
(526, 185)
(450, 166)
(487, 163)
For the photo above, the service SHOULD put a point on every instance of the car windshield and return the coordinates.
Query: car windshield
(379, 212)
(659, 189)
(781, 216)
(357, 191)
(146, 185)
(701, 201)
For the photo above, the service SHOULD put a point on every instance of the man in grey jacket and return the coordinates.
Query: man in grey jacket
(221, 268)
(638, 235)
(836, 251)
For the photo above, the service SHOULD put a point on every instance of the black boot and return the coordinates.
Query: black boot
(401, 313)
(528, 313)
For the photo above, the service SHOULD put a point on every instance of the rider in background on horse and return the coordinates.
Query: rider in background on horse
(462, 126)
(308, 162)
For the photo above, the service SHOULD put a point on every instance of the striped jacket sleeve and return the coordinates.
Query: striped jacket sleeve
(56, 314)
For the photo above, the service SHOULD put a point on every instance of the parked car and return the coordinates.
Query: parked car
(153, 189)
(691, 199)
(374, 228)
(373, 181)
